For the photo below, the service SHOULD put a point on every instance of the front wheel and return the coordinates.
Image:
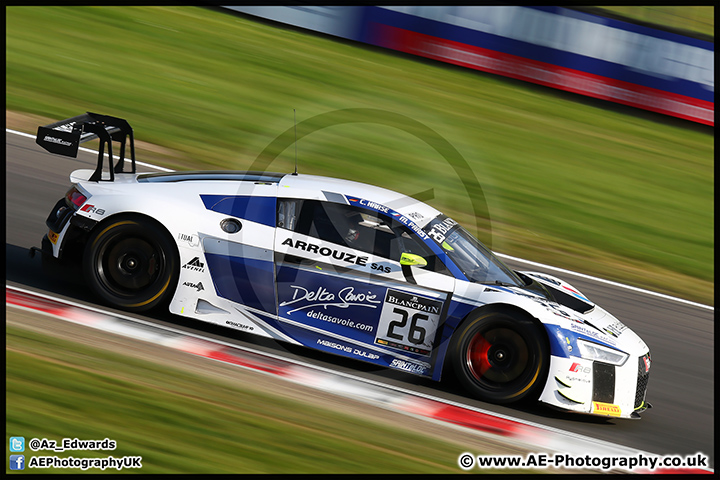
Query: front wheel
(500, 358)
(131, 263)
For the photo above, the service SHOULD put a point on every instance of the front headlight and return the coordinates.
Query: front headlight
(601, 353)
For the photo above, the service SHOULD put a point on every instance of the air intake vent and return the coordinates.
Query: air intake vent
(642, 381)
(603, 382)
(569, 301)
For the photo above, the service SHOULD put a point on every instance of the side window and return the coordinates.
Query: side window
(405, 241)
(287, 213)
(356, 228)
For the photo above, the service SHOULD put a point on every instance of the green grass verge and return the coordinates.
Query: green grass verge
(597, 190)
(688, 18)
(181, 422)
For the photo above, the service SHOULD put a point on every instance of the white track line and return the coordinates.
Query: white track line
(535, 264)
(607, 282)
(115, 157)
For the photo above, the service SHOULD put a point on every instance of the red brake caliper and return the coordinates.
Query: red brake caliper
(479, 355)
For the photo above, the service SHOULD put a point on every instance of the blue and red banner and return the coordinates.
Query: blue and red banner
(557, 47)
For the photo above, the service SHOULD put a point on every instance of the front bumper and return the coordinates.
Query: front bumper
(592, 387)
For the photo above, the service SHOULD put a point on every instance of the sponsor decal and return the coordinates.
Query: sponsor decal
(547, 279)
(558, 310)
(577, 379)
(66, 127)
(606, 409)
(198, 286)
(340, 321)
(581, 329)
(336, 346)
(380, 268)
(238, 325)
(195, 265)
(400, 346)
(414, 302)
(374, 206)
(91, 209)
(363, 353)
(347, 349)
(647, 361)
(192, 240)
(412, 226)
(615, 328)
(440, 230)
(577, 368)
(408, 367)
(50, 139)
(326, 252)
(575, 292)
(53, 237)
(401, 218)
(322, 297)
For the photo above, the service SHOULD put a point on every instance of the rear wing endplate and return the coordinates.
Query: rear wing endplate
(64, 138)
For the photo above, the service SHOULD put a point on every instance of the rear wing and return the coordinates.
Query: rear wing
(64, 138)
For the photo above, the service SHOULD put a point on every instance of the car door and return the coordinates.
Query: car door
(358, 282)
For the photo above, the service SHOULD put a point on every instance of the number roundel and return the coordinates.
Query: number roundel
(409, 322)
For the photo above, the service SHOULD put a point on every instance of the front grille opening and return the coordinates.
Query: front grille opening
(603, 382)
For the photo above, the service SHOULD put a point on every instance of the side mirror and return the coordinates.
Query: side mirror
(412, 259)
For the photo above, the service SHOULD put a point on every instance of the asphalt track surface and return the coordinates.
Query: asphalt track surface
(680, 336)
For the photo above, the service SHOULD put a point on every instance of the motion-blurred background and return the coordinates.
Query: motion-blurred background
(581, 182)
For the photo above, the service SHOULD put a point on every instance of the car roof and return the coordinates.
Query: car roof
(347, 191)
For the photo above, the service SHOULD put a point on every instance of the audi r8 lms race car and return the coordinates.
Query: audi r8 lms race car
(341, 267)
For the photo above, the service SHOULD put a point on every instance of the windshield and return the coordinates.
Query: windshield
(473, 258)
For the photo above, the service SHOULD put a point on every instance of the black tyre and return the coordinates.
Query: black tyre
(131, 263)
(500, 358)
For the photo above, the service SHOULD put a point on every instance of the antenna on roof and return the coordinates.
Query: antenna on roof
(295, 120)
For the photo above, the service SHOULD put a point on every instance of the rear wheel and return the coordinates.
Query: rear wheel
(500, 358)
(131, 263)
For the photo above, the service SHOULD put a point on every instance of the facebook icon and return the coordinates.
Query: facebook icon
(17, 462)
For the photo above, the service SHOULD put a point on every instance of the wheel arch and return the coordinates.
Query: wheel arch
(131, 216)
(97, 232)
(514, 312)
(507, 309)
(139, 216)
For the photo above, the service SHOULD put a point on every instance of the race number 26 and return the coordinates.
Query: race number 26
(408, 322)
(416, 333)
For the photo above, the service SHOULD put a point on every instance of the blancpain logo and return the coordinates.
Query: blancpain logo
(50, 139)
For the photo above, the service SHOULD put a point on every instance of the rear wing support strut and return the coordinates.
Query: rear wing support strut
(64, 138)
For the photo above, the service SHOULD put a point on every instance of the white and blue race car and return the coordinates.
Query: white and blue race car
(341, 267)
